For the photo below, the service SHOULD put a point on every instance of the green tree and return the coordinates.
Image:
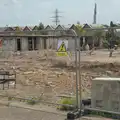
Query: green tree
(41, 26)
(78, 22)
(110, 34)
(111, 24)
(80, 32)
(111, 37)
(111, 30)
(97, 36)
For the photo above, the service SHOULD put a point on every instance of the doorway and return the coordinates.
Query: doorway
(81, 41)
(30, 44)
(45, 43)
(18, 44)
(35, 43)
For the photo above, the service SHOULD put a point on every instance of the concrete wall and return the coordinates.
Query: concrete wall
(9, 44)
(40, 44)
(54, 43)
(106, 94)
(24, 43)
(48, 42)
(71, 44)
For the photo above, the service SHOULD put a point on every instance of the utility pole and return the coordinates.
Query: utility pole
(56, 17)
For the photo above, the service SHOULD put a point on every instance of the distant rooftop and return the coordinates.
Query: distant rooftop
(97, 26)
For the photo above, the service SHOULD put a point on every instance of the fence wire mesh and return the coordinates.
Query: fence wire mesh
(42, 73)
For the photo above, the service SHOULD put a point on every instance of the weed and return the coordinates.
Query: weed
(67, 104)
(32, 101)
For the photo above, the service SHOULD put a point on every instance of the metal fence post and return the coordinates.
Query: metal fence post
(80, 81)
(76, 58)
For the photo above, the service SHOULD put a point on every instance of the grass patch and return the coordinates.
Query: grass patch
(32, 101)
(102, 114)
(67, 104)
(9, 98)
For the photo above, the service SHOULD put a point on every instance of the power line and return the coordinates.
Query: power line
(56, 17)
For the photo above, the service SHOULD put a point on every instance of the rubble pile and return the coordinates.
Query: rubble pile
(37, 68)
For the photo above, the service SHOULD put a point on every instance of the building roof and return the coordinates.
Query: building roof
(49, 27)
(27, 28)
(18, 28)
(2, 29)
(97, 26)
(35, 27)
(86, 26)
(60, 27)
(67, 26)
(9, 29)
(53, 26)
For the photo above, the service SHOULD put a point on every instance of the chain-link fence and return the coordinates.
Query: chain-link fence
(42, 74)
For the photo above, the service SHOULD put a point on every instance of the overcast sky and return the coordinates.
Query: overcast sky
(31, 12)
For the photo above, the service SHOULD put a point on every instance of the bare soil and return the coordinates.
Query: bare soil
(42, 73)
(11, 113)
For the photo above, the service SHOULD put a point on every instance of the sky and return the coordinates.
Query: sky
(32, 12)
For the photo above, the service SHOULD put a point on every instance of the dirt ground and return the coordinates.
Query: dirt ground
(12, 113)
(42, 73)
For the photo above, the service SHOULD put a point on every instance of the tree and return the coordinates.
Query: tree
(97, 36)
(111, 24)
(111, 35)
(111, 38)
(41, 26)
(78, 22)
(80, 32)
